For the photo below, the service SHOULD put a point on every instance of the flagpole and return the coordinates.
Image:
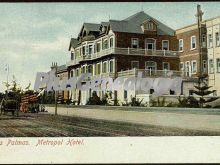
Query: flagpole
(7, 75)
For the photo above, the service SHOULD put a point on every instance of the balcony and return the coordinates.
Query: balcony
(104, 75)
(101, 75)
(153, 73)
(124, 51)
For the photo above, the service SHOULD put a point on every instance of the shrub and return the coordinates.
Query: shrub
(135, 102)
(94, 100)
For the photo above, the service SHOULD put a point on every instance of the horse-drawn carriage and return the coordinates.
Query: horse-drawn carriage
(9, 105)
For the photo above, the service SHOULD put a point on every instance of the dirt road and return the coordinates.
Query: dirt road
(198, 121)
(47, 125)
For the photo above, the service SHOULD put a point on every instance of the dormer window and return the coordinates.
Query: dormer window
(149, 25)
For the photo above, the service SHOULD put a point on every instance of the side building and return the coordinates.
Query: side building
(188, 38)
(213, 46)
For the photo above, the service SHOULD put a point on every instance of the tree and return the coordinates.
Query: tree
(202, 89)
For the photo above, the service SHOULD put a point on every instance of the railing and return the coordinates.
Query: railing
(126, 51)
(73, 62)
(145, 52)
(101, 75)
(153, 73)
(104, 75)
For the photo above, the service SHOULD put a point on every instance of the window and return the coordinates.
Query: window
(165, 45)
(150, 65)
(134, 64)
(194, 67)
(111, 66)
(72, 56)
(89, 68)
(111, 42)
(149, 26)
(104, 67)
(83, 50)
(87, 49)
(71, 73)
(218, 64)
(166, 66)
(211, 66)
(217, 40)
(83, 69)
(193, 42)
(181, 45)
(210, 40)
(90, 49)
(134, 43)
(181, 66)
(105, 44)
(77, 72)
(204, 41)
(98, 47)
(204, 66)
(98, 69)
(187, 68)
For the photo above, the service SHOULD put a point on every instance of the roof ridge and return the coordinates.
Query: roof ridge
(91, 23)
(117, 20)
(132, 16)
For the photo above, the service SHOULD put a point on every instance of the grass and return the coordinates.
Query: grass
(46, 125)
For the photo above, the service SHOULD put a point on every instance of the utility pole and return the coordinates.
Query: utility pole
(54, 66)
(199, 22)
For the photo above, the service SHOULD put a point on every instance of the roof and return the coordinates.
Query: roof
(73, 43)
(133, 23)
(92, 26)
(104, 23)
(61, 68)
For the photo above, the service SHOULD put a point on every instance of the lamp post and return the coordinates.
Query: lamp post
(54, 66)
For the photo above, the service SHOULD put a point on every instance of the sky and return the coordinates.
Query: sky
(33, 35)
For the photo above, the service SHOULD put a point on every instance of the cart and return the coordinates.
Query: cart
(9, 105)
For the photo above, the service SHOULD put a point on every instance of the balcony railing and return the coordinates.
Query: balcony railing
(104, 75)
(101, 75)
(153, 73)
(125, 51)
(73, 62)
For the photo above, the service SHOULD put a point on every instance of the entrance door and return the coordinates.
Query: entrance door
(149, 46)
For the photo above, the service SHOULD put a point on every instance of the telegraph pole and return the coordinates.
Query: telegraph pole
(199, 22)
(54, 66)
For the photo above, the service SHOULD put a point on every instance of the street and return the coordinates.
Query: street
(209, 121)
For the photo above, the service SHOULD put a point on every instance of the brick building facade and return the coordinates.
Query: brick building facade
(115, 48)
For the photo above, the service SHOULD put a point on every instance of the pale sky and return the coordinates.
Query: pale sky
(33, 35)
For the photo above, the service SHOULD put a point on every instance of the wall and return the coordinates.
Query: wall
(123, 40)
